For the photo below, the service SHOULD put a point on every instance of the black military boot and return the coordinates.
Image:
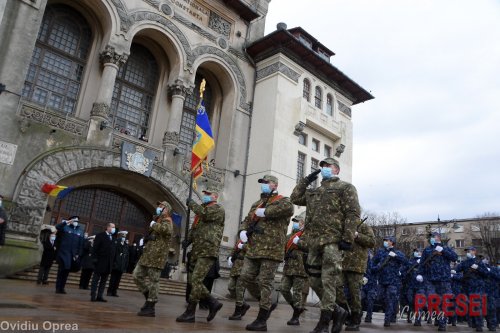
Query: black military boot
(148, 310)
(271, 309)
(188, 315)
(323, 323)
(239, 311)
(294, 321)
(354, 322)
(213, 307)
(259, 324)
(338, 318)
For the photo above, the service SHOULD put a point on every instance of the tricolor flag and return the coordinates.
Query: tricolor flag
(56, 190)
(204, 141)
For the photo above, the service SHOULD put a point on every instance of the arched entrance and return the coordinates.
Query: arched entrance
(97, 206)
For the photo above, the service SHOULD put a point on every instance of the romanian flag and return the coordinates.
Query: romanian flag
(204, 141)
(56, 190)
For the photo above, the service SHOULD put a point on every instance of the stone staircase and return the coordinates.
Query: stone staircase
(168, 287)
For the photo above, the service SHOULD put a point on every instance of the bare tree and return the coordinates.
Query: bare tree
(489, 229)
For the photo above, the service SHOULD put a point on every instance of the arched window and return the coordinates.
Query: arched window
(306, 92)
(318, 97)
(188, 123)
(134, 92)
(329, 105)
(58, 61)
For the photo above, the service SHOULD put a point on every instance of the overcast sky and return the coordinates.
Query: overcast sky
(429, 143)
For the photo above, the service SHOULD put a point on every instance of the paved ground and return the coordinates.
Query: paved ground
(26, 307)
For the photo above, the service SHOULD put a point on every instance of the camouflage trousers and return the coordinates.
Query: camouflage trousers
(199, 269)
(325, 268)
(293, 283)
(236, 289)
(257, 276)
(147, 280)
(353, 281)
(305, 292)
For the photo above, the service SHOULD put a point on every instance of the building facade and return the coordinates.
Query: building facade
(102, 95)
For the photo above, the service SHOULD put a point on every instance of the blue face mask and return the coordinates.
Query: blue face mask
(206, 198)
(265, 188)
(432, 241)
(326, 173)
(296, 226)
(158, 210)
(52, 238)
(113, 230)
(416, 254)
(469, 255)
(386, 244)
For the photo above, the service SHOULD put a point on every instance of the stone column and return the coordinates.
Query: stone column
(178, 92)
(99, 128)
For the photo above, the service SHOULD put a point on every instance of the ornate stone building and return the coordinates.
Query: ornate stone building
(102, 95)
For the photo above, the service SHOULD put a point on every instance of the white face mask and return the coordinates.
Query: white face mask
(75, 224)
(0, 203)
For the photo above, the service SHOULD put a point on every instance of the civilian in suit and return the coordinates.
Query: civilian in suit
(87, 263)
(70, 241)
(120, 263)
(48, 256)
(102, 252)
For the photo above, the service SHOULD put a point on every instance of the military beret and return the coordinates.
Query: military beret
(268, 178)
(211, 190)
(75, 217)
(123, 232)
(470, 248)
(164, 204)
(434, 234)
(329, 161)
(391, 238)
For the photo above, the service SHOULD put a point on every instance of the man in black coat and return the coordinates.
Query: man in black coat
(103, 253)
(3, 223)
(120, 263)
(48, 256)
(87, 263)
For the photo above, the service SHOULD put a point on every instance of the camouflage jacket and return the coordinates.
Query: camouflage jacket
(155, 252)
(355, 260)
(294, 259)
(268, 237)
(332, 211)
(237, 257)
(206, 231)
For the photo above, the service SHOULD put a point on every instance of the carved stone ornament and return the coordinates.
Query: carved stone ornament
(100, 110)
(171, 138)
(109, 55)
(137, 161)
(219, 25)
(178, 88)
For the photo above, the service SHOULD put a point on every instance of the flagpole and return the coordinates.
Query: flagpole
(186, 229)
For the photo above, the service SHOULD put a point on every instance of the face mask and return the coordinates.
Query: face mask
(469, 255)
(86, 236)
(123, 239)
(52, 238)
(386, 244)
(296, 226)
(75, 224)
(207, 198)
(158, 210)
(113, 230)
(416, 254)
(265, 188)
(432, 241)
(0, 203)
(326, 172)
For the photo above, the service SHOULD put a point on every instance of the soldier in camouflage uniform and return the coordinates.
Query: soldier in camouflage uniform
(353, 269)
(294, 274)
(332, 215)
(265, 230)
(205, 235)
(235, 287)
(147, 272)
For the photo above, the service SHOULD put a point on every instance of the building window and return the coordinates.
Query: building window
(477, 242)
(188, 122)
(329, 105)
(306, 92)
(314, 167)
(58, 61)
(315, 145)
(301, 161)
(475, 227)
(386, 231)
(328, 151)
(134, 93)
(405, 232)
(318, 97)
(459, 243)
(420, 230)
(303, 139)
(420, 245)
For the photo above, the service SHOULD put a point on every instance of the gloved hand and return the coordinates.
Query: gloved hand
(296, 240)
(356, 234)
(420, 278)
(365, 280)
(439, 248)
(392, 254)
(260, 212)
(243, 236)
(188, 201)
(345, 246)
(453, 271)
(418, 261)
(240, 246)
(152, 223)
(488, 269)
(474, 266)
(229, 262)
(313, 176)
(185, 243)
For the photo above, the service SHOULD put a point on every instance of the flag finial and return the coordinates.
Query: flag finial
(202, 87)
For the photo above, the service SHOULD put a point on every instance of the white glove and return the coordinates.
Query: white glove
(152, 223)
(296, 240)
(64, 221)
(473, 266)
(418, 261)
(392, 254)
(141, 242)
(488, 269)
(229, 262)
(240, 245)
(356, 234)
(365, 280)
(439, 248)
(260, 212)
(453, 271)
(243, 236)
(420, 278)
